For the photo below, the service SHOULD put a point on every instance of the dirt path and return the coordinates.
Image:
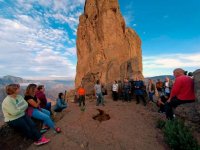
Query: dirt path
(131, 127)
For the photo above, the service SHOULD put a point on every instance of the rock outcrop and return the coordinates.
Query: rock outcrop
(106, 49)
(197, 84)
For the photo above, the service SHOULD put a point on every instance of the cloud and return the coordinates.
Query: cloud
(165, 64)
(34, 39)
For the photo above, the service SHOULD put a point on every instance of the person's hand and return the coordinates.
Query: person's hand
(169, 100)
(38, 101)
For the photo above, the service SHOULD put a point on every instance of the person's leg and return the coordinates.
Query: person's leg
(151, 96)
(44, 117)
(102, 99)
(48, 106)
(137, 99)
(22, 126)
(129, 97)
(45, 111)
(169, 107)
(84, 100)
(117, 96)
(143, 99)
(32, 125)
(98, 99)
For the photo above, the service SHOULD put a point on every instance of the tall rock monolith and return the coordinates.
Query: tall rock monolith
(107, 50)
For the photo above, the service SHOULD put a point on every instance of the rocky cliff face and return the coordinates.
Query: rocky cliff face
(106, 49)
(197, 84)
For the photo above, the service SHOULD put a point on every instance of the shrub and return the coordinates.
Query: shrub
(160, 124)
(178, 136)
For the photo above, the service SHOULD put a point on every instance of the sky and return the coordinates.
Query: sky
(38, 37)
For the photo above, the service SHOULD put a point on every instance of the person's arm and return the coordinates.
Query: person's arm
(60, 104)
(176, 88)
(33, 103)
(11, 109)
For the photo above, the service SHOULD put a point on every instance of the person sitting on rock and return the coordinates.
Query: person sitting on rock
(182, 92)
(81, 97)
(60, 103)
(98, 93)
(34, 110)
(139, 90)
(126, 90)
(40, 94)
(161, 103)
(14, 107)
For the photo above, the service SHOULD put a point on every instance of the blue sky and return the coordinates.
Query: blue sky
(38, 37)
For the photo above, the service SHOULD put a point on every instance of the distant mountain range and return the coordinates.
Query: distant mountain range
(53, 87)
(162, 77)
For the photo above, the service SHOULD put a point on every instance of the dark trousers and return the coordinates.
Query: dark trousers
(173, 104)
(26, 126)
(151, 96)
(142, 97)
(115, 96)
(127, 96)
(82, 100)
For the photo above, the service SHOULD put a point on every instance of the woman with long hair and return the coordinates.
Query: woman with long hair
(34, 109)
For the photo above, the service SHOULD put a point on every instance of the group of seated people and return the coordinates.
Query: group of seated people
(19, 111)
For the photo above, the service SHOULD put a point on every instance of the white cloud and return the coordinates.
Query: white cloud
(31, 47)
(134, 25)
(164, 64)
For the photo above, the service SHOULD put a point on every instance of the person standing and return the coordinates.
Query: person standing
(167, 86)
(115, 90)
(139, 90)
(182, 92)
(98, 92)
(127, 90)
(159, 87)
(14, 107)
(151, 90)
(81, 95)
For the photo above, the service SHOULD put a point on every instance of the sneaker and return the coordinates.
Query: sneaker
(42, 131)
(46, 127)
(42, 141)
(57, 130)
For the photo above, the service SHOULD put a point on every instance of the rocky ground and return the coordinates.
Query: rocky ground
(130, 127)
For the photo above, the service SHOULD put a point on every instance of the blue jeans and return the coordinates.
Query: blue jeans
(26, 126)
(151, 96)
(100, 98)
(43, 115)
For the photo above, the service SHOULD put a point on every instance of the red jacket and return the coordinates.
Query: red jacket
(41, 96)
(183, 88)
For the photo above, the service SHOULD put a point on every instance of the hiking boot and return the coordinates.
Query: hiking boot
(42, 141)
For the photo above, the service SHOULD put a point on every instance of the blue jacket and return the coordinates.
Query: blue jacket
(60, 104)
(138, 87)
